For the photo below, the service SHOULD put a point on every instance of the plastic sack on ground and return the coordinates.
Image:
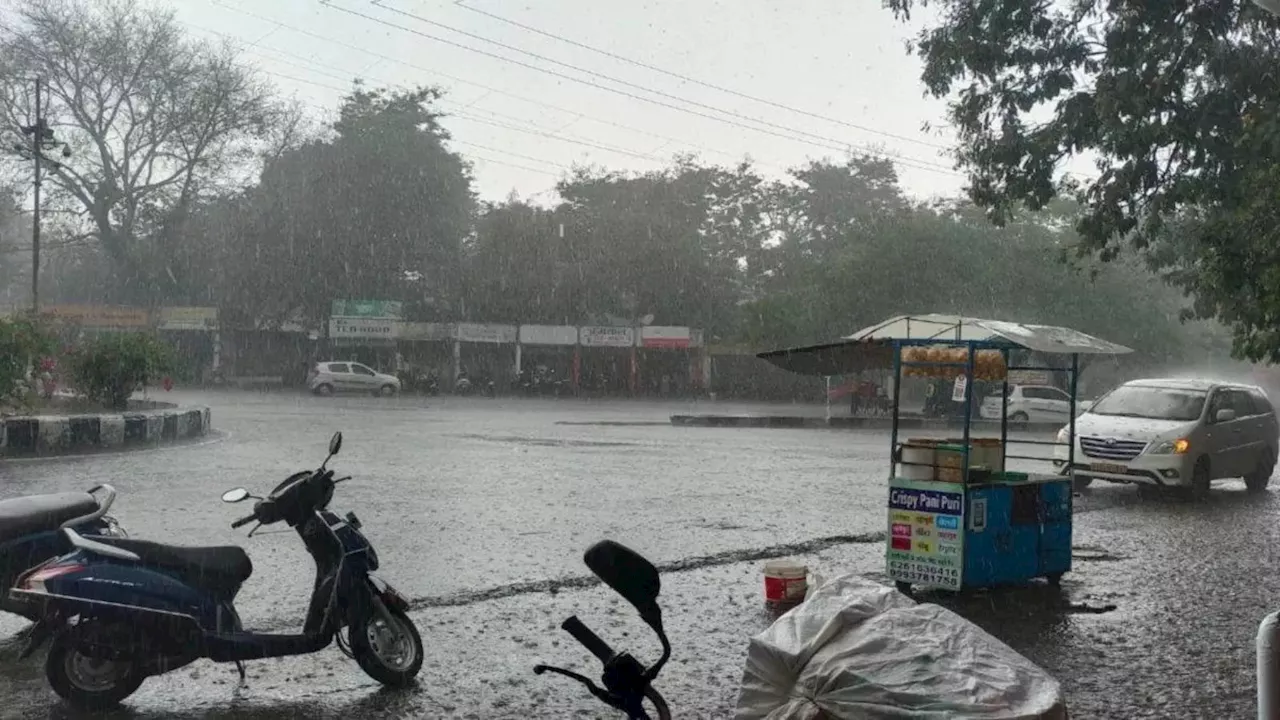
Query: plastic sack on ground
(858, 649)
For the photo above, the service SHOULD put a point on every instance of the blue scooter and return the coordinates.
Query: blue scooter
(31, 533)
(118, 611)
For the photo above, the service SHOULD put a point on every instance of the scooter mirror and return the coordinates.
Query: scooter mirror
(235, 496)
(630, 575)
(335, 443)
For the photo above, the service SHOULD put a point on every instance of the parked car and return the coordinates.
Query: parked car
(327, 378)
(1031, 403)
(1176, 433)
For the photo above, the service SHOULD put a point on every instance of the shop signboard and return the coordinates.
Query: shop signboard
(365, 328)
(188, 318)
(548, 335)
(367, 309)
(484, 333)
(433, 332)
(99, 316)
(1030, 377)
(926, 533)
(657, 336)
(606, 336)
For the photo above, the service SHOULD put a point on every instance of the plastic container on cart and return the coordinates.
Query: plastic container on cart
(987, 452)
(950, 462)
(918, 459)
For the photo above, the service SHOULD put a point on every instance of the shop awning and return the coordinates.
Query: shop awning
(872, 347)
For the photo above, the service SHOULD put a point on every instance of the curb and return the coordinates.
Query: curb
(853, 423)
(53, 435)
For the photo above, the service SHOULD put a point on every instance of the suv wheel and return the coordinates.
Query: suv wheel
(1200, 479)
(1258, 480)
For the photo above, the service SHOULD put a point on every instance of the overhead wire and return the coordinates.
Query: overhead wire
(687, 78)
(534, 101)
(826, 143)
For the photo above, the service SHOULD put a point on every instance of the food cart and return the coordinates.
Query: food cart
(956, 518)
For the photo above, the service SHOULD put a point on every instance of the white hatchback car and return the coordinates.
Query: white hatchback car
(1178, 433)
(326, 378)
(1030, 403)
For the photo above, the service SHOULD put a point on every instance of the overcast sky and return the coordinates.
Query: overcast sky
(826, 76)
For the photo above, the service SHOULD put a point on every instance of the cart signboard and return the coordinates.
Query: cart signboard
(926, 533)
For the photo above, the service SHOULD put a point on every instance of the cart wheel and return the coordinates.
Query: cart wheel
(1055, 579)
(903, 587)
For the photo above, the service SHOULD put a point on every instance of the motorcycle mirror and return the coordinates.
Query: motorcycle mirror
(335, 444)
(235, 496)
(630, 575)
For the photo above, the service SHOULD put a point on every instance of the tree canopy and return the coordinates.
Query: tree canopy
(1177, 102)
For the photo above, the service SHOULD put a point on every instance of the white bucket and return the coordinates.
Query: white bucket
(784, 582)
(917, 462)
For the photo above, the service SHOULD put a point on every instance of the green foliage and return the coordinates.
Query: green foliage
(22, 343)
(109, 368)
(380, 210)
(1179, 103)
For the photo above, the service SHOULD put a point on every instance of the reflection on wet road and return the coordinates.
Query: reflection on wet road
(480, 510)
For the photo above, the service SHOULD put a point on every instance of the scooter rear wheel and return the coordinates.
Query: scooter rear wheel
(85, 681)
(390, 654)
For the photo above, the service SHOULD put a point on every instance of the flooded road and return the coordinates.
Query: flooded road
(480, 510)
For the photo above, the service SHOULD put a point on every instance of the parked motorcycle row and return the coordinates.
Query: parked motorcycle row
(114, 610)
(538, 382)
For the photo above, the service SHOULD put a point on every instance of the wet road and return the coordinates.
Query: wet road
(474, 504)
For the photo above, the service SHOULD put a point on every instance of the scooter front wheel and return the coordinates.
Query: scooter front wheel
(85, 681)
(388, 649)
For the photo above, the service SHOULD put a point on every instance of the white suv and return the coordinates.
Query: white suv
(1179, 433)
(326, 378)
(1030, 403)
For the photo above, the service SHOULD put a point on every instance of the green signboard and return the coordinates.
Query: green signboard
(367, 308)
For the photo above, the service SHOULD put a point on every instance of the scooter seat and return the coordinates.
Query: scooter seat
(39, 513)
(220, 568)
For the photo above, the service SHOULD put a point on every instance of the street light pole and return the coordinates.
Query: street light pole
(37, 139)
(41, 139)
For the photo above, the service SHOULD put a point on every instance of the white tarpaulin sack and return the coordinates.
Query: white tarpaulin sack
(857, 649)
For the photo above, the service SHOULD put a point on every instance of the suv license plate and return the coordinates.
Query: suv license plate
(1108, 468)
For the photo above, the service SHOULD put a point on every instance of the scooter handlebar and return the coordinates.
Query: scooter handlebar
(589, 640)
(244, 521)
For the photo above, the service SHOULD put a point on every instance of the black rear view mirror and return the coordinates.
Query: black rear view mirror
(335, 444)
(629, 574)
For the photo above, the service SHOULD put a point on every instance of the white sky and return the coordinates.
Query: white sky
(522, 128)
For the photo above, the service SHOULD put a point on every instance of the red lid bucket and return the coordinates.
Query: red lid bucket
(784, 583)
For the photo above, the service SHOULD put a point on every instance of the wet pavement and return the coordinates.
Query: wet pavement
(480, 510)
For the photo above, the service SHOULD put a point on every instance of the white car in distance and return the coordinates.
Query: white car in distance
(327, 378)
(1031, 403)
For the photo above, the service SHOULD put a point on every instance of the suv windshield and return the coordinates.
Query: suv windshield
(1152, 402)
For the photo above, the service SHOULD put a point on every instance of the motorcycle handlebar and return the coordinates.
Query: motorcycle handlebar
(589, 640)
(244, 521)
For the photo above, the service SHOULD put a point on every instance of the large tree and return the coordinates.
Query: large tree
(154, 120)
(377, 211)
(1178, 103)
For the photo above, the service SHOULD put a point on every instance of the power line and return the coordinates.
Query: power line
(464, 81)
(686, 78)
(921, 164)
(839, 144)
(465, 115)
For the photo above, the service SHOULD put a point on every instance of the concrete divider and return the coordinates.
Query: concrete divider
(70, 434)
(861, 423)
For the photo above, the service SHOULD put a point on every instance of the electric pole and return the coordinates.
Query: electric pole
(41, 139)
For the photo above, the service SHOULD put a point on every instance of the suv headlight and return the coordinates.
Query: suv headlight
(1168, 447)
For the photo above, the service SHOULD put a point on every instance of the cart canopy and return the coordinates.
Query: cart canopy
(872, 347)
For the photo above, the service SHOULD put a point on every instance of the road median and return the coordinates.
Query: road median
(853, 423)
(49, 435)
